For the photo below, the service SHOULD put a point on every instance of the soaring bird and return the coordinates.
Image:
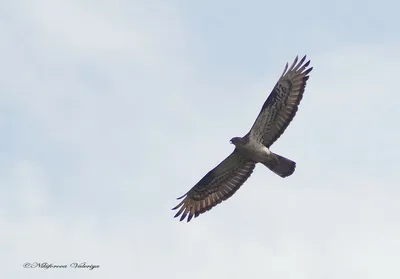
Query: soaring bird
(277, 112)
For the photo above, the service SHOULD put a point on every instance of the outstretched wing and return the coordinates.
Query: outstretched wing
(282, 104)
(217, 185)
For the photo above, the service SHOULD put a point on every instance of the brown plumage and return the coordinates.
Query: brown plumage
(217, 185)
(282, 104)
(225, 179)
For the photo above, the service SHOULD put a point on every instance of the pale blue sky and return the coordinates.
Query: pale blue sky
(109, 110)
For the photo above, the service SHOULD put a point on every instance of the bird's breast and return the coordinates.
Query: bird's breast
(256, 151)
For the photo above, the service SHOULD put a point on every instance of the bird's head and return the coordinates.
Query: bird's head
(236, 141)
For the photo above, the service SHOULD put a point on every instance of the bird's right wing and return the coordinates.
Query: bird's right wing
(282, 104)
(217, 185)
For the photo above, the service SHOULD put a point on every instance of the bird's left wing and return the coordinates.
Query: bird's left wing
(217, 185)
(282, 104)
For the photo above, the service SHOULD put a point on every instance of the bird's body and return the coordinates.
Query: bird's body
(253, 150)
(276, 114)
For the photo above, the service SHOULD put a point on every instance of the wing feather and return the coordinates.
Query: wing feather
(217, 185)
(282, 104)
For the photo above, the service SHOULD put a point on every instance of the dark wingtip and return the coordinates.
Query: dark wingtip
(177, 214)
(176, 207)
(303, 59)
(183, 216)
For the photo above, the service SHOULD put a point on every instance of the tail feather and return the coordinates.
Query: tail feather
(284, 167)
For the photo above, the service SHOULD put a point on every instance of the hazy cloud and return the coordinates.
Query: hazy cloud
(108, 111)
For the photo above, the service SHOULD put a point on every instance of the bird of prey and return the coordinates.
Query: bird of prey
(225, 179)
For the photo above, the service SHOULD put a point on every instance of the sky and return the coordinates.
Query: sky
(110, 110)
